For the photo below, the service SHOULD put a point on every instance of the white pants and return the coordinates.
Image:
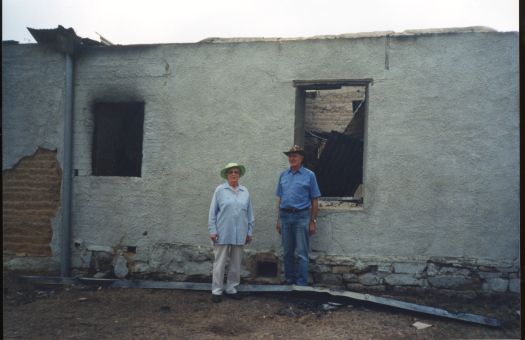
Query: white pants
(221, 252)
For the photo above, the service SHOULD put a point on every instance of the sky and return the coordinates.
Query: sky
(173, 21)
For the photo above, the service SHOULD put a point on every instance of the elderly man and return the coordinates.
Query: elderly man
(298, 194)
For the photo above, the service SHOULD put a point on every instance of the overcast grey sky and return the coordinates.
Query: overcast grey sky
(165, 21)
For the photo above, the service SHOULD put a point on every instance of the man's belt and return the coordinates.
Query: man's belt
(293, 210)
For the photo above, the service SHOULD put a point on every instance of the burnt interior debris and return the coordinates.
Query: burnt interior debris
(340, 167)
(334, 139)
(118, 135)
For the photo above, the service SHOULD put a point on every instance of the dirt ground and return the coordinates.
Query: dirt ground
(91, 312)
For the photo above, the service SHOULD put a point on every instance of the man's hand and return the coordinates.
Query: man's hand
(248, 239)
(278, 226)
(311, 228)
(214, 237)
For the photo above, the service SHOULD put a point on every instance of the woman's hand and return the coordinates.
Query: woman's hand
(214, 237)
(278, 226)
(248, 239)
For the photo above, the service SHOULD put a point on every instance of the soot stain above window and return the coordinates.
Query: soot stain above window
(117, 138)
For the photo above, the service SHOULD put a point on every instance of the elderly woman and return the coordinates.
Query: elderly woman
(230, 224)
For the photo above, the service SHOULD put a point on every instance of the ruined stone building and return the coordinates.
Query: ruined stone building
(414, 137)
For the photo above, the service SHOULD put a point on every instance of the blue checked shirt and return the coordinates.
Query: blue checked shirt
(231, 214)
(297, 189)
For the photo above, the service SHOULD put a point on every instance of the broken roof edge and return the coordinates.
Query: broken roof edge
(377, 34)
(62, 39)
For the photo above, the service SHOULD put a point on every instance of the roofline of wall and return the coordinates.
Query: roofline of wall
(362, 35)
(378, 34)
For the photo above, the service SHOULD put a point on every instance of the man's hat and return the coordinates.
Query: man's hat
(295, 149)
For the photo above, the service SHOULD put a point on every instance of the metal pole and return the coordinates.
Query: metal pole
(65, 254)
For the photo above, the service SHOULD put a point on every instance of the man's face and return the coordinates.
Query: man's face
(295, 160)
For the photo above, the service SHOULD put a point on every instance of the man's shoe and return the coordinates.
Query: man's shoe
(216, 298)
(235, 296)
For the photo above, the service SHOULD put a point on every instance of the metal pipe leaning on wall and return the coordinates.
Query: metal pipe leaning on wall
(67, 42)
(65, 253)
(145, 284)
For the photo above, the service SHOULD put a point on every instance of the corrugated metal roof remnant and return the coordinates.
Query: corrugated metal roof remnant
(63, 39)
(340, 167)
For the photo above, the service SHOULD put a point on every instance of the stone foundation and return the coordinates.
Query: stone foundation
(450, 276)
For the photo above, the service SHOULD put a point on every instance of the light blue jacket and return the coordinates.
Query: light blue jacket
(231, 214)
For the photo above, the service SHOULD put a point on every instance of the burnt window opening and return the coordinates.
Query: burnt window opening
(117, 139)
(266, 269)
(330, 125)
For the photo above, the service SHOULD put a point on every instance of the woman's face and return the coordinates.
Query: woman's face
(233, 175)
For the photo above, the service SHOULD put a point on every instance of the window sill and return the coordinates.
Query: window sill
(339, 205)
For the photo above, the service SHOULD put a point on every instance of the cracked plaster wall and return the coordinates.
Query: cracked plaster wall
(441, 155)
(32, 101)
(32, 111)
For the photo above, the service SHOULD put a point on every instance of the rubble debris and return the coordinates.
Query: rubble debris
(121, 267)
(101, 275)
(421, 325)
(340, 167)
(327, 306)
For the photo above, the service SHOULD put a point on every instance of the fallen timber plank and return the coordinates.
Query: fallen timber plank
(51, 280)
(479, 319)
(145, 284)
(149, 284)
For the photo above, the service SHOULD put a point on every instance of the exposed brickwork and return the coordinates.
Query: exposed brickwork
(31, 196)
(328, 110)
(331, 110)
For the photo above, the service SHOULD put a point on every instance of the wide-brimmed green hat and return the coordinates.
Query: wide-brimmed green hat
(228, 166)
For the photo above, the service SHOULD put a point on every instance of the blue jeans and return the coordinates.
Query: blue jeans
(295, 238)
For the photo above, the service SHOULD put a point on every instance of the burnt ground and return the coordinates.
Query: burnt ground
(91, 312)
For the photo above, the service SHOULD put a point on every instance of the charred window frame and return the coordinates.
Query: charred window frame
(117, 139)
(339, 179)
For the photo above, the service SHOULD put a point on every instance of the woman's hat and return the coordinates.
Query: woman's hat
(295, 149)
(228, 166)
